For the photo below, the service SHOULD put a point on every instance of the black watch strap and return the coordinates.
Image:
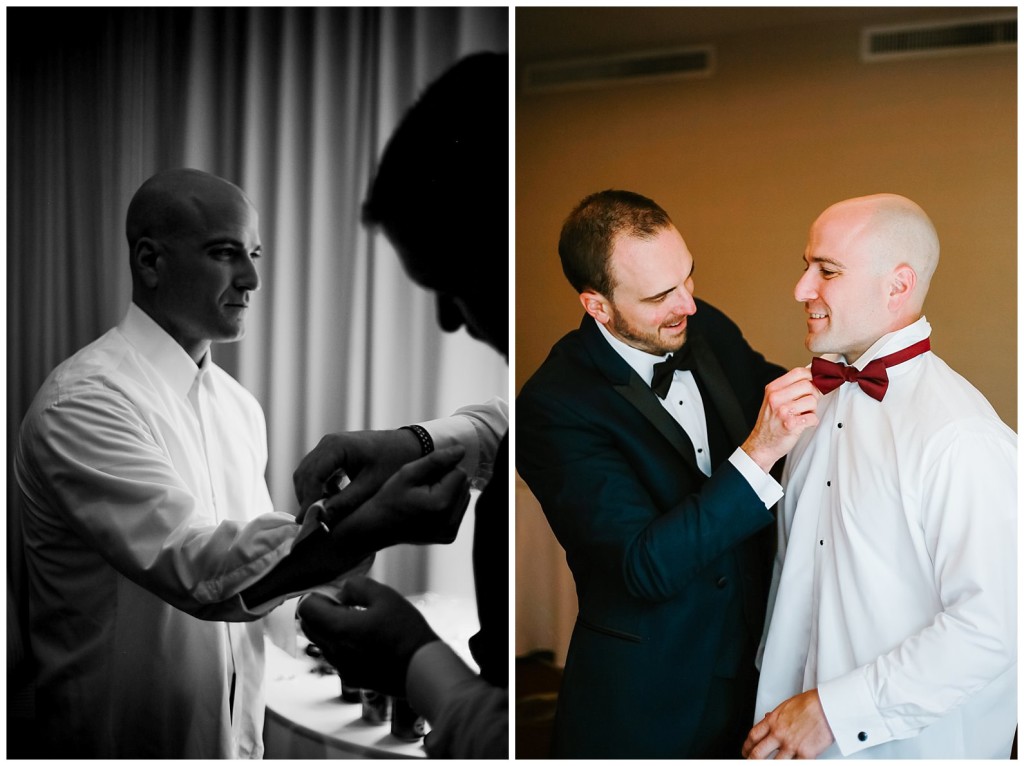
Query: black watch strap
(426, 443)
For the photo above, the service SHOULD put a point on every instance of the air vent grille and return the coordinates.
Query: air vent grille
(695, 61)
(939, 38)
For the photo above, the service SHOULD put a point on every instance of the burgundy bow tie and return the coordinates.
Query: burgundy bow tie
(873, 379)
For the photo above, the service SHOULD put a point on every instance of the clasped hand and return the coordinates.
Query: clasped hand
(394, 496)
(795, 729)
(368, 458)
(422, 503)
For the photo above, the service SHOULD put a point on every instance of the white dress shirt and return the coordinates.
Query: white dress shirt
(478, 428)
(146, 513)
(894, 591)
(685, 405)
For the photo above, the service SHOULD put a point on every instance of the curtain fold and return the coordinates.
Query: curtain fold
(295, 106)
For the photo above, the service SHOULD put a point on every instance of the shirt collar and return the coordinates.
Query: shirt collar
(641, 361)
(890, 343)
(162, 351)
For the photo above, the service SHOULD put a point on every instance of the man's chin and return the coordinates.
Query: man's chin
(817, 345)
(675, 344)
(232, 335)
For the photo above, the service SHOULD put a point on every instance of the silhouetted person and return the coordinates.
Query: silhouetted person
(441, 198)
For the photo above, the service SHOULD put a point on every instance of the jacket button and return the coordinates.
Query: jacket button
(722, 582)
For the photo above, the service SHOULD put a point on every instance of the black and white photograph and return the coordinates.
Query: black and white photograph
(257, 358)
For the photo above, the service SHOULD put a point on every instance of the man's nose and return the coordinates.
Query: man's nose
(804, 290)
(685, 304)
(248, 276)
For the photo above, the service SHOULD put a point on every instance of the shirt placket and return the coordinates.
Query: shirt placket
(685, 405)
(196, 395)
(217, 493)
(824, 539)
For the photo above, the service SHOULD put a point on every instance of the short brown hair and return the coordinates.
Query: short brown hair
(589, 232)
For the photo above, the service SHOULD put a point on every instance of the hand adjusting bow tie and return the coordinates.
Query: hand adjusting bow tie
(680, 360)
(873, 380)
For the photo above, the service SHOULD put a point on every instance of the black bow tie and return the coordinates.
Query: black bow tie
(680, 360)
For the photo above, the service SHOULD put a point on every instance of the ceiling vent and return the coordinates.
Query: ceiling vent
(648, 66)
(989, 33)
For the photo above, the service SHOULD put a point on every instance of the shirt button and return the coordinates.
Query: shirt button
(722, 582)
(840, 425)
(821, 542)
(863, 736)
(828, 484)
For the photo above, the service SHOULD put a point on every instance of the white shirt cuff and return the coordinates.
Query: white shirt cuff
(455, 430)
(767, 489)
(851, 713)
(479, 428)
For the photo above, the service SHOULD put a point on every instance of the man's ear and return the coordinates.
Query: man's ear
(145, 257)
(596, 305)
(901, 286)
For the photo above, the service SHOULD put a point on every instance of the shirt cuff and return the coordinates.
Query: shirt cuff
(767, 489)
(449, 431)
(434, 672)
(851, 713)
(457, 430)
(314, 523)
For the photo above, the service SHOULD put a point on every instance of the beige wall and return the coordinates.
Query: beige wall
(745, 160)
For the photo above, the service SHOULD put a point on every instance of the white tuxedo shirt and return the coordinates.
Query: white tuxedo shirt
(894, 590)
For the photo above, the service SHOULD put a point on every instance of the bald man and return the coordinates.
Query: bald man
(151, 545)
(892, 621)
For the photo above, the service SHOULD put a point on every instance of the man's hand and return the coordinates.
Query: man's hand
(789, 407)
(423, 503)
(796, 729)
(370, 637)
(368, 458)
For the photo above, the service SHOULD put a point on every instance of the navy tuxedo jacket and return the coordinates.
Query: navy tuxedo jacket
(671, 567)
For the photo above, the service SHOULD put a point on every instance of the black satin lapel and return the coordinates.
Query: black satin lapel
(634, 390)
(721, 391)
(639, 394)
